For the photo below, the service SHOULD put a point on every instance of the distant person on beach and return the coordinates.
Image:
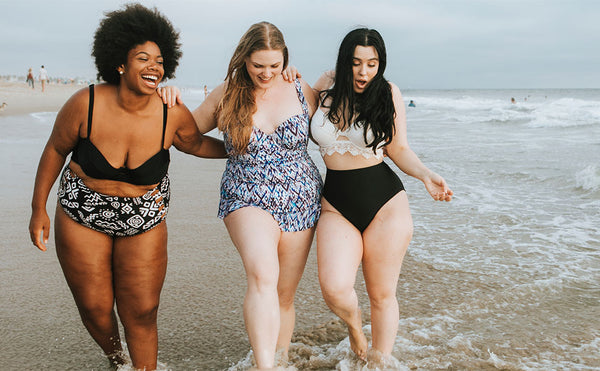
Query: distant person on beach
(113, 196)
(365, 214)
(30, 79)
(411, 104)
(43, 76)
(271, 189)
(205, 91)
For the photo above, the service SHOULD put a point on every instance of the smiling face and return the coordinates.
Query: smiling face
(264, 67)
(365, 65)
(144, 68)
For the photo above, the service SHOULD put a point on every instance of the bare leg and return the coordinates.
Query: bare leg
(140, 266)
(256, 236)
(293, 252)
(339, 253)
(385, 243)
(86, 260)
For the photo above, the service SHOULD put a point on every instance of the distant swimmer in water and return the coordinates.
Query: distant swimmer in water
(513, 101)
(412, 103)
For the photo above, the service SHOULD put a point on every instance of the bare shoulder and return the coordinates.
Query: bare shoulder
(75, 106)
(395, 90)
(218, 91)
(178, 112)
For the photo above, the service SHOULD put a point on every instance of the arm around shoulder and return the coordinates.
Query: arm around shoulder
(205, 113)
(189, 139)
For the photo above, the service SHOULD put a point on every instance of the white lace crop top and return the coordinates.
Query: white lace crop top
(332, 140)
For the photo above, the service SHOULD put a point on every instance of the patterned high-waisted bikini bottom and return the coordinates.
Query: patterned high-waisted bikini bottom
(112, 215)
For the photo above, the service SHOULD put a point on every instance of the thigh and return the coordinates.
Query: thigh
(293, 252)
(385, 243)
(140, 265)
(339, 248)
(85, 256)
(256, 236)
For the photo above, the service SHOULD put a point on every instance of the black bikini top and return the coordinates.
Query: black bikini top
(95, 165)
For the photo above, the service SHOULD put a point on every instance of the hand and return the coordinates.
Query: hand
(437, 188)
(39, 226)
(170, 95)
(290, 74)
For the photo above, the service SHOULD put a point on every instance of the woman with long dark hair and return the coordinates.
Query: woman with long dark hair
(365, 214)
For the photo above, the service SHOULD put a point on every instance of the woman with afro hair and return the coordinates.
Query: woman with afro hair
(113, 196)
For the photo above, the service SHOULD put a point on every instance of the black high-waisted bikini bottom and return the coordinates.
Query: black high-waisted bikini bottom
(358, 194)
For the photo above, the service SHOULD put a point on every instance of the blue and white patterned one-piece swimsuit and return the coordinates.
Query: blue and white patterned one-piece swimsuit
(275, 174)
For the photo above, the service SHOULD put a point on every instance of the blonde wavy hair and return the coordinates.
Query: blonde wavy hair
(238, 104)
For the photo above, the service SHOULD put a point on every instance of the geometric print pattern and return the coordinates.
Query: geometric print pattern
(275, 174)
(112, 215)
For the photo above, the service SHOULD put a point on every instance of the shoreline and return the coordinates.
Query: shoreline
(21, 99)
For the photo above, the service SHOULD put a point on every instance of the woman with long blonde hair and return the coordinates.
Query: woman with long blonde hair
(271, 189)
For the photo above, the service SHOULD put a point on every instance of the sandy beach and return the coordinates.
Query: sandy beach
(200, 319)
(505, 277)
(21, 99)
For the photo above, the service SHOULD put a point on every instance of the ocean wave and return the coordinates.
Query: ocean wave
(45, 117)
(566, 112)
(558, 112)
(588, 179)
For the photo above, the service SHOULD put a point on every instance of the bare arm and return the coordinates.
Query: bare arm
(407, 161)
(205, 113)
(324, 82)
(189, 139)
(311, 97)
(63, 138)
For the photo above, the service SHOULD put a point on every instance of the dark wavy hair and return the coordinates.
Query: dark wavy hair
(122, 30)
(374, 107)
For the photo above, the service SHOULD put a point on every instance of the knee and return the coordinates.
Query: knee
(382, 299)
(286, 300)
(138, 314)
(262, 280)
(335, 292)
(97, 312)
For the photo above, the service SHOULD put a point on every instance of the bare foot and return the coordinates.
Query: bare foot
(358, 340)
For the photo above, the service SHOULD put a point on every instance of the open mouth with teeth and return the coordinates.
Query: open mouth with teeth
(151, 80)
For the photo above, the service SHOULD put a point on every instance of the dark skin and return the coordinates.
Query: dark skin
(101, 270)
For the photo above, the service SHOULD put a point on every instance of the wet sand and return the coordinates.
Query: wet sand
(200, 319)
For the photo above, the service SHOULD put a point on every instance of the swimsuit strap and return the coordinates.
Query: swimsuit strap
(164, 125)
(90, 111)
(301, 96)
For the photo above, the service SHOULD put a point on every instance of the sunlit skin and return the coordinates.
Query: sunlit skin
(365, 65)
(380, 248)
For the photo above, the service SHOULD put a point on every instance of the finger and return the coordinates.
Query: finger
(36, 238)
(46, 234)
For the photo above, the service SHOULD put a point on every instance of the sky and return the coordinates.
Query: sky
(443, 44)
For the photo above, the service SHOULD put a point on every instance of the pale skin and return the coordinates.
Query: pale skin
(101, 270)
(341, 248)
(273, 260)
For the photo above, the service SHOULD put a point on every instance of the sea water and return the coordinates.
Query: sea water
(504, 277)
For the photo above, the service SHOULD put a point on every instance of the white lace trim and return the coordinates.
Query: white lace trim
(346, 146)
